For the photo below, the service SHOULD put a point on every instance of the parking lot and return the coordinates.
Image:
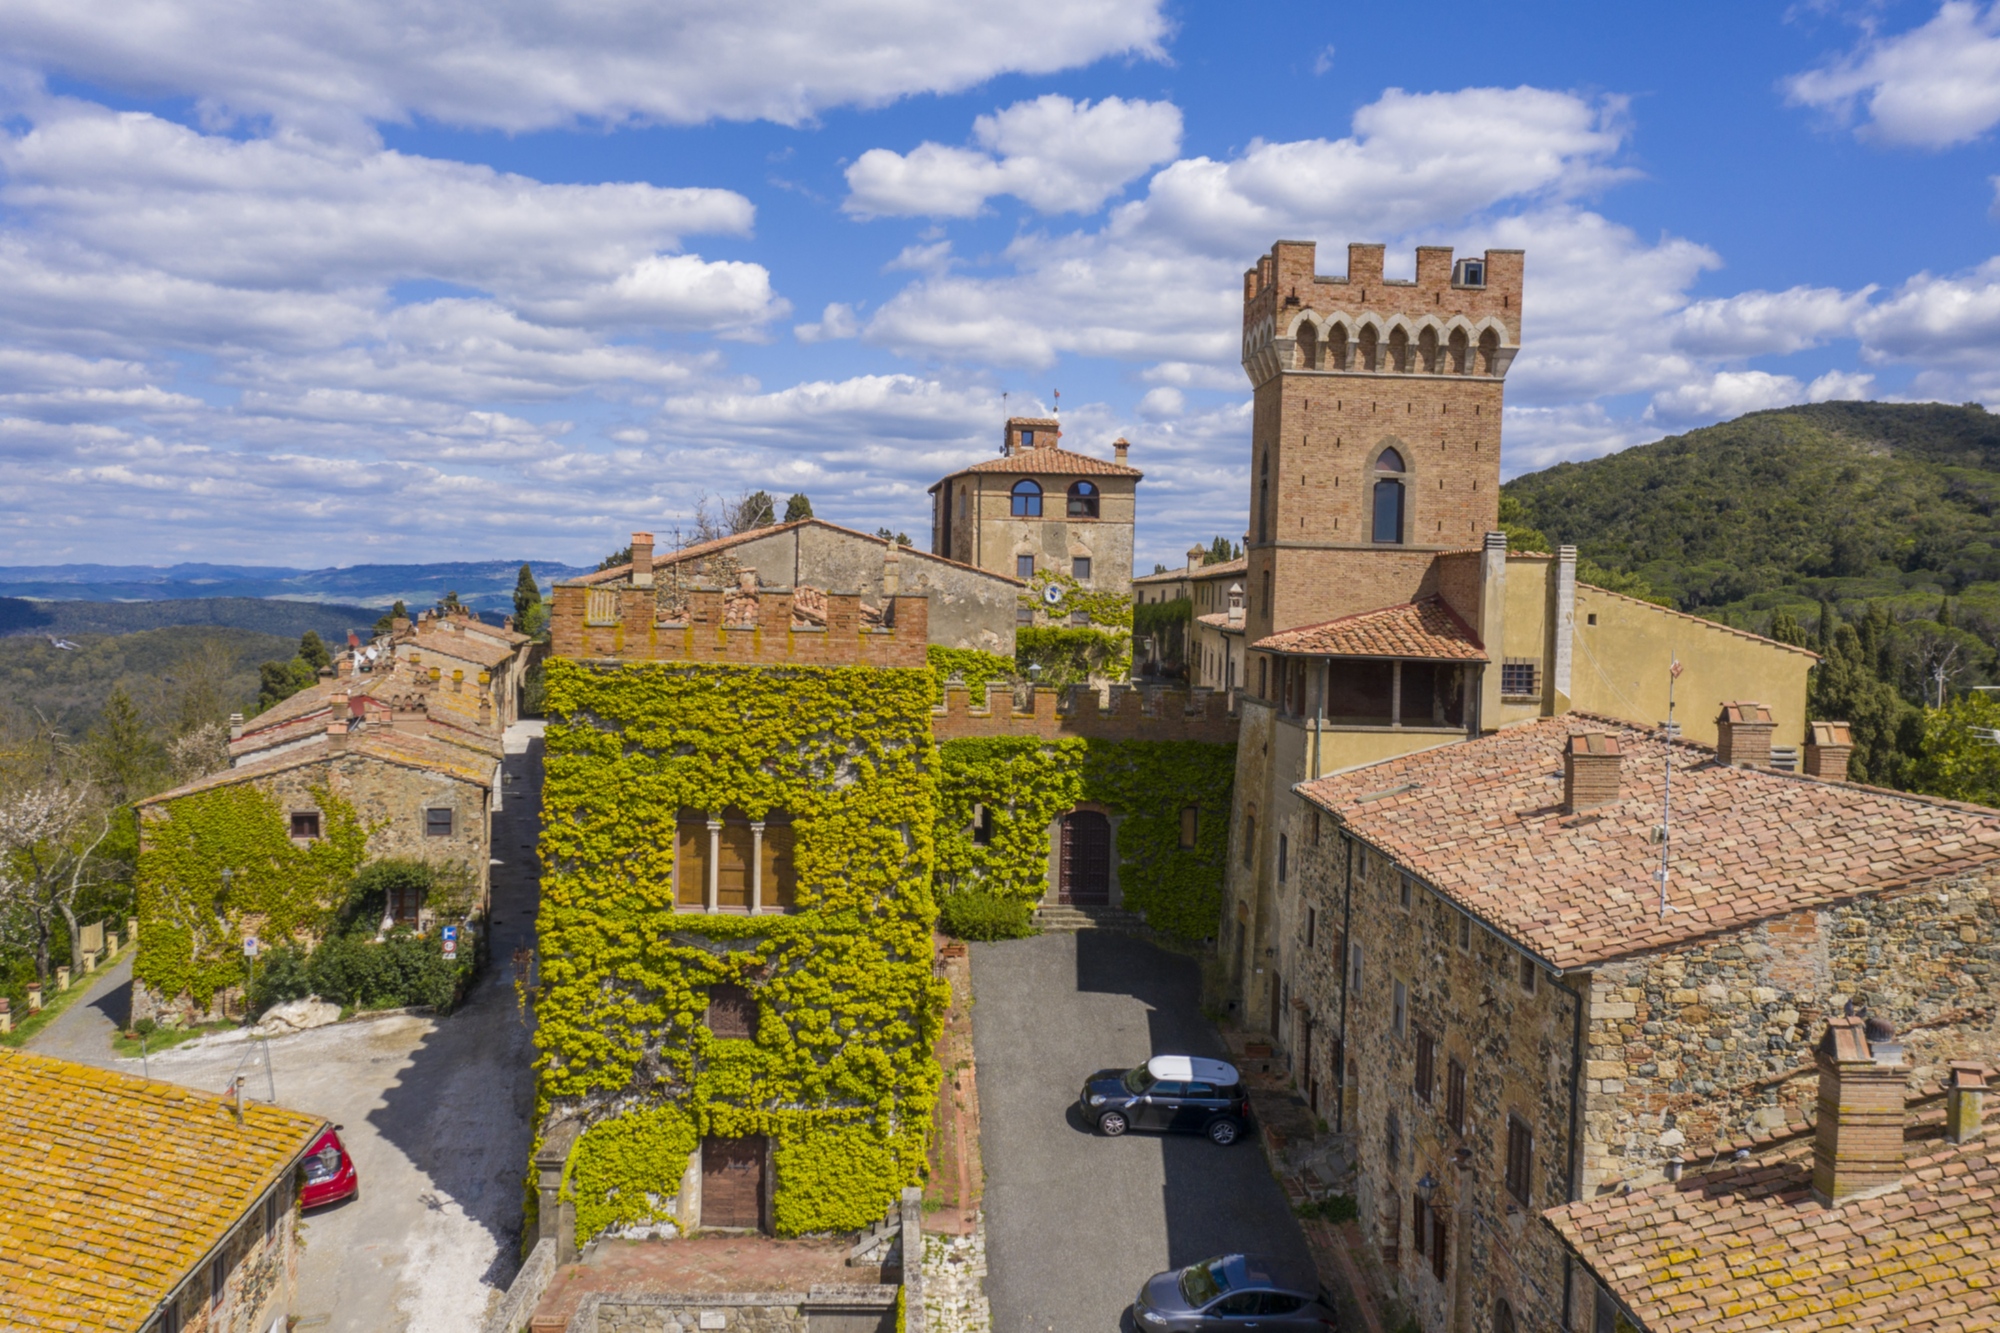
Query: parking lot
(1075, 1221)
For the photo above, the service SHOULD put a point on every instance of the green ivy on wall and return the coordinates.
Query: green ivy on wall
(1025, 783)
(970, 665)
(840, 1076)
(1071, 656)
(1110, 610)
(190, 922)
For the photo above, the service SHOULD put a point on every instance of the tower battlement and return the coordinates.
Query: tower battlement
(1454, 318)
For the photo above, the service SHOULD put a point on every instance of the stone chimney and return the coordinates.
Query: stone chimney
(336, 737)
(337, 706)
(457, 682)
(1119, 447)
(1235, 606)
(485, 710)
(1964, 1102)
(1827, 749)
(343, 666)
(892, 570)
(236, 726)
(746, 582)
(642, 559)
(1858, 1141)
(1590, 771)
(399, 625)
(1743, 736)
(1197, 557)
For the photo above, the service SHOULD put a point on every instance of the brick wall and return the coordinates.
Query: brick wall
(637, 635)
(1133, 715)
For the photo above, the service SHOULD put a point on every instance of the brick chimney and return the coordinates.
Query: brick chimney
(337, 706)
(1119, 447)
(642, 559)
(1858, 1140)
(892, 570)
(1590, 771)
(1827, 750)
(336, 737)
(1964, 1102)
(343, 666)
(1743, 736)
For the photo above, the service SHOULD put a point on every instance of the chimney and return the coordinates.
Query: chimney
(1590, 771)
(1197, 557)
(236, 726)
(1119, 447)
(507, 623)
(746, 582)
(1858, 1141)
(1743, 736)
(338, 705)
(399, 625)
(485, 710)
(892, 571)
(336, 737)
(1235, 605)
(343, 666)
(457, 682)
(1964, 1102)
(1827, 748)
(642, 559)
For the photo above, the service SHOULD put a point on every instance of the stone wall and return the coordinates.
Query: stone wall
(1712, 1042)
(262, 1273)
(1463, 987)
(858, 1309)
(633, 633)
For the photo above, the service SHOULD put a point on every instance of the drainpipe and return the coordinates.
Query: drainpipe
(1575, 1138)
(1347, 947)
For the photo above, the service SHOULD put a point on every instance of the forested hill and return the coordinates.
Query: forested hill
(1840, 501)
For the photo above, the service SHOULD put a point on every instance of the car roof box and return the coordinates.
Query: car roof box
(1190, 1068)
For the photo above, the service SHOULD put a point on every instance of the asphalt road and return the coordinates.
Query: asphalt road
(1074, 1221)
(435, 1111)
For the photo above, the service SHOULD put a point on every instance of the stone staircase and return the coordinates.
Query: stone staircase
(1060, 918)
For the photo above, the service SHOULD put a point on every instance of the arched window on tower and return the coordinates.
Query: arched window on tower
(1083, 500)
(1308, 343)
(1388, 511)
(1027, 499)
(1427, 351)
(1399, 351)
(1335, 357)
(1371, 354)
(1461, 350)
(1489, 346)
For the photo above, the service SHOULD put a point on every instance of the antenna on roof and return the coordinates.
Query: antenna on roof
(1058, 411)
(1667, 804)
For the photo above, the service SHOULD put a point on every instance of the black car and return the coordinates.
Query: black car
(1235, 1291)
(1177, 1093)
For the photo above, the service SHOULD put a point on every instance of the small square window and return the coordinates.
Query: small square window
(1590, 619)
(1520, 678)
(1399, 1008)
(437, 823)
(305, 823)
(1024, 566)
(1024, 615)
(1079, 619)
(1079, 567)
(1190, 821)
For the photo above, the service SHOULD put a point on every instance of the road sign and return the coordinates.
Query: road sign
(451, 948)
(249, 946)
(451, 934)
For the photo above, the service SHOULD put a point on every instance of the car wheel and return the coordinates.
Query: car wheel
(1224, 1132)
(1111, 1124)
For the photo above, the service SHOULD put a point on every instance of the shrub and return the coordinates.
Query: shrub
(971, 914)
(404, 969)
(1335, 1208)
(280, 976)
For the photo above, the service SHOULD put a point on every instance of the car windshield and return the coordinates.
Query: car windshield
(1203, 1282)
(1138, 1080)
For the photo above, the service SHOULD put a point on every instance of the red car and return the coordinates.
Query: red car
(329, 1170)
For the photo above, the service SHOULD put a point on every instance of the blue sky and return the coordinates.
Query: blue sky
(380, 280)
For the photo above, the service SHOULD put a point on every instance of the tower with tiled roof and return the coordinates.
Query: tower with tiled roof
(1040, 508)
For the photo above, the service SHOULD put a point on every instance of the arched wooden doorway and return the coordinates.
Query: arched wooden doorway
(1086, 859)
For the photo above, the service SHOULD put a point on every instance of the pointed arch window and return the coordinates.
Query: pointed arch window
(1308, 343)
(1027, 499)
(1387, 527)
(1083, 500)
(1336, 348)
(1461, 352)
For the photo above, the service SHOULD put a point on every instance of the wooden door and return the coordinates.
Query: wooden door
(732, 1182)
(1086, 859)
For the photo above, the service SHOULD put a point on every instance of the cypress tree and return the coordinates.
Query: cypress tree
(526, 593)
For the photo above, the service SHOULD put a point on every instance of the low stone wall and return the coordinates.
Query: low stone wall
(525, 1292)
(856, 1309)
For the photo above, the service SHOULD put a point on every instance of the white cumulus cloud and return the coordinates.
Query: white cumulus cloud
(1056, 155)
(1929, 87)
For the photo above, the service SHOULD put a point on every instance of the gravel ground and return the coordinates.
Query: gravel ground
(1074, 1221)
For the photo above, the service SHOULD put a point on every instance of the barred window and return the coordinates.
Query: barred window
(1521, 678)
(1426, 1065)
(1520, 1158)
(1454, 1096)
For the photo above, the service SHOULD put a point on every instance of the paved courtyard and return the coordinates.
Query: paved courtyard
(1075, 1222)
(435, 1111)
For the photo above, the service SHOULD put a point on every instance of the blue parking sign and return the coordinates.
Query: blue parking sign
(451, 934)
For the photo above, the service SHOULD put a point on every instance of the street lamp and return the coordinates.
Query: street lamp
(1426, 1187)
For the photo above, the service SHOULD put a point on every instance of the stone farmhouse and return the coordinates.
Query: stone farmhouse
(86, 1158)
(1041, 509)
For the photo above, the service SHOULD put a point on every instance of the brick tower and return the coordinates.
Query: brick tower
(1376, 437)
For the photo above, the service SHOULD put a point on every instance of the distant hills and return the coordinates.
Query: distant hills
(1897, 502)
(485, 585)
(287, 619)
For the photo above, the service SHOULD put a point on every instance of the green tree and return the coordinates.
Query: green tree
(313, 652)
(755, 510)
(621, 556)
(1955, 761)
(1618, 580)
(122, 753)
(900, 538)
(279, 681)
(387, 622)
(798, 507)
(1887, 728)
(451, 602)
(1785, 628)
(1521, 534)
(1221, 551)
(527, 593)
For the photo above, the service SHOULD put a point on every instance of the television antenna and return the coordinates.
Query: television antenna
(1667, 803)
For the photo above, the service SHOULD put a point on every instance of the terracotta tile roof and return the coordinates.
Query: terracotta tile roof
(1220, 620)
(1422, 629)
(113, 1188)
(465, 645)
(1748, 1247)
(1482, 822)
(469, 763)
(664, 558)
(1048, 462)
(1228, 569)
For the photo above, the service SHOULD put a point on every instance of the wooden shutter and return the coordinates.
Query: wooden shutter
(781, 874)
(1438, 1251)
(732, 879)
(691, 864)
(1454, 1096)
(1520, 1158)
(732, 1012)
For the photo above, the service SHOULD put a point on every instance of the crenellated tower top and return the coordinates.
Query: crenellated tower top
(1453, 319)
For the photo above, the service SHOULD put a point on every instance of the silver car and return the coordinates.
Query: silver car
(1233, 1292)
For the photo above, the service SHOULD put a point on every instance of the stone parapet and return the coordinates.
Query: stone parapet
(623, 624)
(1133, 715)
